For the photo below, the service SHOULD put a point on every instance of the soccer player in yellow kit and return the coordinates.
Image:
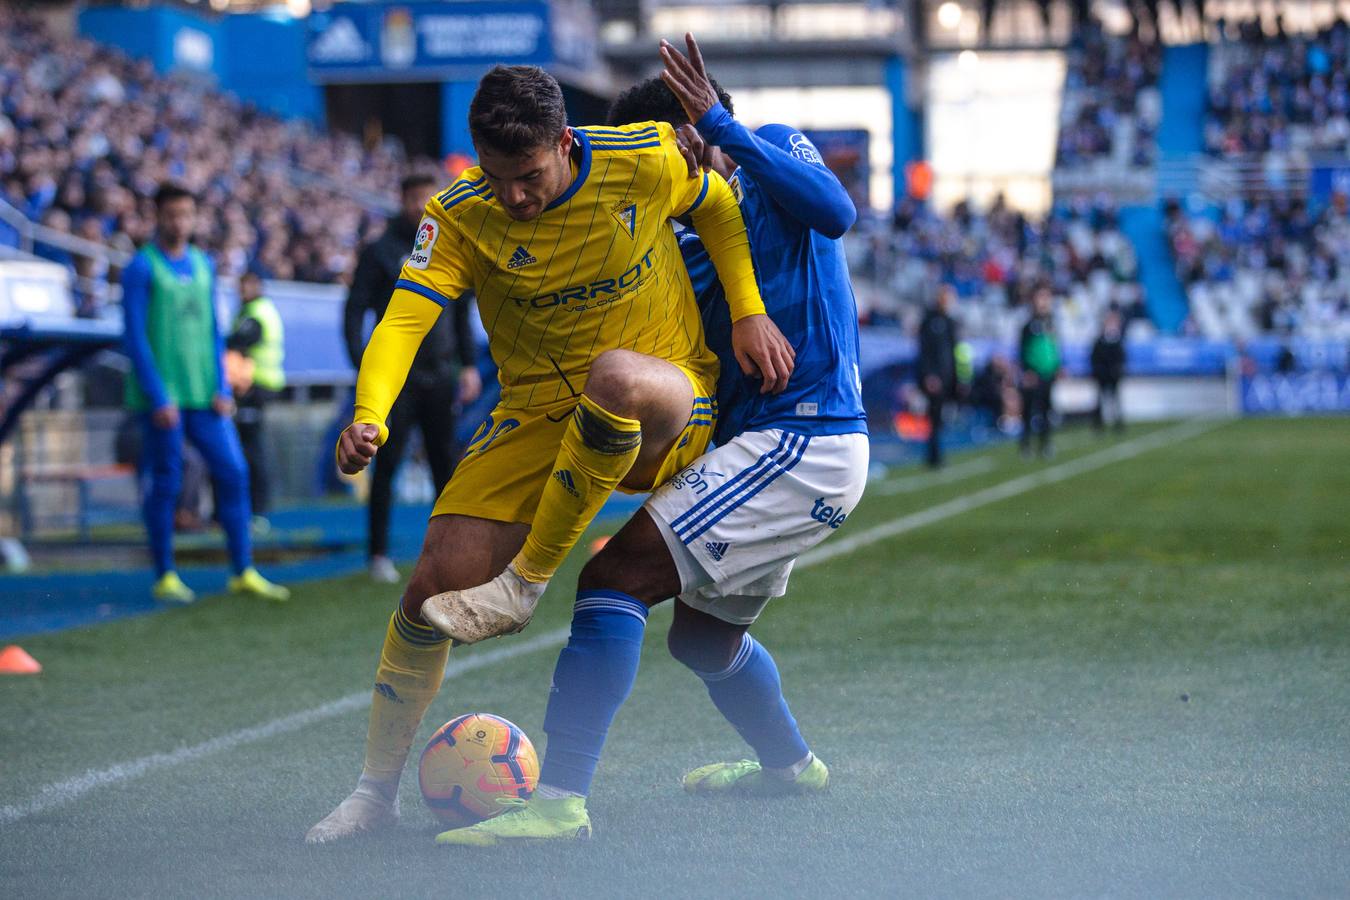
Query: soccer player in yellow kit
(563, 235)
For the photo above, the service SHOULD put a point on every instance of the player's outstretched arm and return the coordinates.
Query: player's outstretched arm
(435, 275)
(786, 165)
(384, 369)
(788, 168)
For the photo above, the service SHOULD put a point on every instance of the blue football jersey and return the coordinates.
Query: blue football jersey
(795, 211)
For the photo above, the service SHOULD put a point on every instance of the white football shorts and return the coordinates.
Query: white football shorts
(737, 519)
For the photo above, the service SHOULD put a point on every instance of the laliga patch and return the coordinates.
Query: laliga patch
(427, 232)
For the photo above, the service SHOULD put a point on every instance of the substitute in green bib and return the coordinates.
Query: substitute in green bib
(1039, 355)
(177, 386)
(257, 377)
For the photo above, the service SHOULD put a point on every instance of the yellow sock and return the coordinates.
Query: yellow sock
(411, 666)
(597, 451)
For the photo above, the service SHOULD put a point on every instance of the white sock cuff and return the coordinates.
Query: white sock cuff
(549, 792)
(790, 773)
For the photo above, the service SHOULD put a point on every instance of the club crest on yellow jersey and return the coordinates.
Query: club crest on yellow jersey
(625, 213)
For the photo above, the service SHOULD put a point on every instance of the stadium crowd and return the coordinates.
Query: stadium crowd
(86, 134)
(1280, 93)
(1111, 105)
(1265, 265)
(996, 260)
(1269, 260)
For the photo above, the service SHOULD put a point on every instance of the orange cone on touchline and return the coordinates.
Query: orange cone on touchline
(14, 660)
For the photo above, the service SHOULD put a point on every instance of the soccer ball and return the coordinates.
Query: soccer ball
(471, 762)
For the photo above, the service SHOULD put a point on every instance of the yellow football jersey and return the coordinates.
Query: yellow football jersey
(599, 269)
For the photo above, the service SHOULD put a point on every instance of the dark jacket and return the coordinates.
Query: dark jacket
(937, 349)
(1108, 359)
(447, 347)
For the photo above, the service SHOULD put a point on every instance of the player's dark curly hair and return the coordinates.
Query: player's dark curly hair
(653, 101)
(516, 110)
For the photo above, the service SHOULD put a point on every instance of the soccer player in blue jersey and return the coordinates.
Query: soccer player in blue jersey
(723, 534)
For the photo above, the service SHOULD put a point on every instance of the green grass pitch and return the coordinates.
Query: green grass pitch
(1134, 681)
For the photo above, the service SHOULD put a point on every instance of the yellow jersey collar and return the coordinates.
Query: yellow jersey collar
(583, 151)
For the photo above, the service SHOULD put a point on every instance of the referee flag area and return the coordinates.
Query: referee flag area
(1123, 671)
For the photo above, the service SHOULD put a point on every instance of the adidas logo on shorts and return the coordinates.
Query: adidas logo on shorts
(717, 549)
(564, 477)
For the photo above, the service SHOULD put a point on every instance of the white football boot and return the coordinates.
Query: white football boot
(504, 605)
(382, 570)
(367, 809)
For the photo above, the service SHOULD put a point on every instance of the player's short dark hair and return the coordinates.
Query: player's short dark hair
(653, 101)
(416, 181)
(516, 110)
(170, 191)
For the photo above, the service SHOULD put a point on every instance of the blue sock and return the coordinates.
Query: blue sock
(594, 675)
(749, 693)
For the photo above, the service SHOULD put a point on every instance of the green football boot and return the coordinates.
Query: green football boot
(564, 819)
(250, 581)
(748, 777)
(171, 589)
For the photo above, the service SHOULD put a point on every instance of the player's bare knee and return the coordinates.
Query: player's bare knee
(699, 650)
(608, 571)
(598, 574)
(615, 383)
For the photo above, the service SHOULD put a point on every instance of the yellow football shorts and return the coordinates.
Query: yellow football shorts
(510, 457)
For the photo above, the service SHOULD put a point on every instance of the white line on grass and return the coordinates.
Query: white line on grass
(912, 483)
(71, 789)
(63, 792)
(1005, 489)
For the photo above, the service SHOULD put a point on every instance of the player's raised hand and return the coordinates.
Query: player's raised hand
(356, 447)
(687, 78)
(693, 148)
(763, 352)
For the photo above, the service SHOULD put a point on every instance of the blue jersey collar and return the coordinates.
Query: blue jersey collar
(583, 169)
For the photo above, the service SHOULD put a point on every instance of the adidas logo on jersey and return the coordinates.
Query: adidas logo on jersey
(564, 477)
(520, 258)
(717, 549)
